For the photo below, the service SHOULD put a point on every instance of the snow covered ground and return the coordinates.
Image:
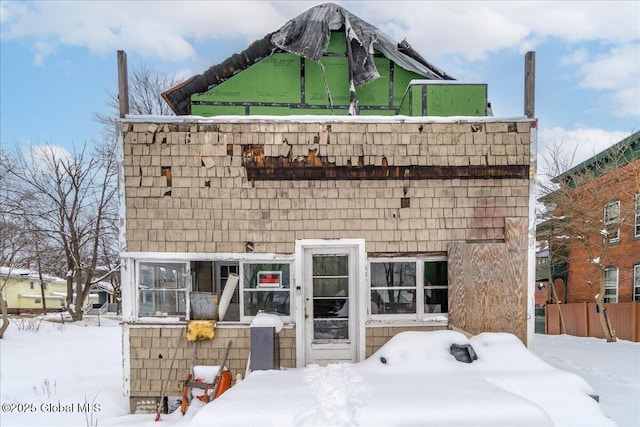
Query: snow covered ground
(71, 375)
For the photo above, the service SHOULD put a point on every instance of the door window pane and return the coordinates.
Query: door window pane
(330, 329)
(330, 276)
(330, 265)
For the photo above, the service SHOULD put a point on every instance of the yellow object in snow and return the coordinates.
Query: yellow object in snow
(200, 330)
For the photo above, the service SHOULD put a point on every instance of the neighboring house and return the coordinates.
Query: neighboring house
(21, 289)
(352, 228)
(104, 292)
(612, 199)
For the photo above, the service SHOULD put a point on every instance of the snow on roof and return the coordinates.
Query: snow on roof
(102, 287)
(38, 296)
(28, 274)
(322, 119)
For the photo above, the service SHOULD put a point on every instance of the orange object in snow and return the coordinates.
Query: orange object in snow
(224, 384)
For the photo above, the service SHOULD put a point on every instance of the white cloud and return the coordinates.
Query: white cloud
(42, 50)
(162, 30)
(619, 72)
(474, 29)
(577, 57)
(471, 30)
(578, 144)
(41, 156)
(466, 31)
(167, 29)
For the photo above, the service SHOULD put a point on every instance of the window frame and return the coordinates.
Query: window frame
(636, 282)
(418, 296)
(435, 287)
(610, 219)
(636, 233)
(605, 297)
(420, 314)
(184, 289)
(242, 289)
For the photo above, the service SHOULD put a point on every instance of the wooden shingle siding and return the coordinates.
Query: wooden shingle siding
(479, 175)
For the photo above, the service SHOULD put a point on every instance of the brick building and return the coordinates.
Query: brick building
(401, 216)
(601, 209)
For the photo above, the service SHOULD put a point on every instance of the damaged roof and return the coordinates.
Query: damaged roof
(307, 35)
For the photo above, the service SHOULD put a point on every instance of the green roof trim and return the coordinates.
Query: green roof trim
(623, 153)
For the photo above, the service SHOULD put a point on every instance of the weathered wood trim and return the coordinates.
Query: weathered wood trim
(530, 84)
(123, 84)
(283, 170)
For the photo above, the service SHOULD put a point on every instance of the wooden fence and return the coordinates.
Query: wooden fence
(581, 320)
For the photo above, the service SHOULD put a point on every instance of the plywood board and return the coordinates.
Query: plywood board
(488, 284)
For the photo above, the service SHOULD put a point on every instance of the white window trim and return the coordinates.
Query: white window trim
(186, 289)
(617, 270)
(130, 277)
(636, 228)
(636, 282)
(616, 238)
(419, 315)
(243, 317)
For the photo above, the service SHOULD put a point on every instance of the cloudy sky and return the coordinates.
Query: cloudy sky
(58, 59)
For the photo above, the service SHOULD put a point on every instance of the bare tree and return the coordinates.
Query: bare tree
(145, 88)
(67, 198)
(573, 218)
(13, 241)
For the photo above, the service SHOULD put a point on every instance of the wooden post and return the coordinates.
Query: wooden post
(123, 84)
(529, 84)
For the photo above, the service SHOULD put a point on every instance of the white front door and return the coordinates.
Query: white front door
(330, 304)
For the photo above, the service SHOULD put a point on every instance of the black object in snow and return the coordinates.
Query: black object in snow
(463, 352)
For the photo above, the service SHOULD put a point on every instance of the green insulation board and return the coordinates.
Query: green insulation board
(275, 79)
(286, 84)
(444, 99)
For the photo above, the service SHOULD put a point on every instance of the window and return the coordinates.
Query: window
(265, 287)
(162, 289)
(637, 225)
(408, 288)
(436, 290)
(44, 286)
(612, 221)
(31, 285)
(611, 284)
(393, 287)
(636, 282)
